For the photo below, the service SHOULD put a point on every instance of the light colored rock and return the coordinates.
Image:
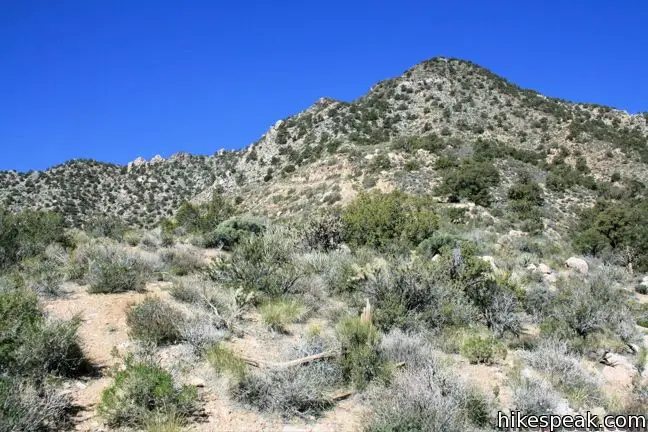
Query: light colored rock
(516, 233)
(578, 264)
(543, 268)
(436, 257)
(157, 159)
(137, 162)
(196, 382)
(644, 282)
(531, 267)
(489, 259)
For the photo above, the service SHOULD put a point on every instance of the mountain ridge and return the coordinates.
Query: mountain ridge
(451, 99)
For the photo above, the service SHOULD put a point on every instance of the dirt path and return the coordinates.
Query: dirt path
(103, 328)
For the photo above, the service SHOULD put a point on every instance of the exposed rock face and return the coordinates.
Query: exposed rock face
(577, 264)
(137, 162)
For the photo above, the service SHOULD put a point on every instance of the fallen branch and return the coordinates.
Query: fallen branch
(342, 395)
(291, 363)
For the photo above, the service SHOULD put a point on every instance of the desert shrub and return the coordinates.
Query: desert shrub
(525, 201)
(187, 289)
(113, 276)
(27, 234)
(225, 361)
(621, 227)
(182, 261)
(288, 392)
(202, 331)
(230, 232)
(151, 240)
(323, 232)
(482, 349)
(31, 345)
(379, 219)
(494, 298)
(42, 275)
(535, 397)
(132, 237)
(470, 180)
(379, 163)
(141, 391)
(25, 406)
(585, 308)
(106, 226)
(427, 398)
(409, 295)
(154, 320)
(109, 268)
(302, 390)
(564, 371)
(433, 244)
(562, 177)
(261, 264)
(203, 218)
(278, 313)
(360, 361)
(409, 348)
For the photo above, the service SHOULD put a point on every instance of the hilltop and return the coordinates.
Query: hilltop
(391, 137)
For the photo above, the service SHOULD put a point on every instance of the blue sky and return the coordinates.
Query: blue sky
(116, 79)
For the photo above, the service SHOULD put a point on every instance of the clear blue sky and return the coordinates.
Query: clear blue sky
(115, 79)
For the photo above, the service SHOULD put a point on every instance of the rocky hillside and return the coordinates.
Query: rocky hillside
(396, 136)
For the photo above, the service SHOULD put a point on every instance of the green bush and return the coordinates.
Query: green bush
(278, 313)
(482, 349)
(42, 275)
(471, 180)
(379, 163)
(200, 219)
(27, 234)
(143, 391)
(31, 345)
(361, 361)
(154, 320)
(381, 219)
(620, 227)
(106, 226)
(261, 264)
(411, 295)
(230, 232)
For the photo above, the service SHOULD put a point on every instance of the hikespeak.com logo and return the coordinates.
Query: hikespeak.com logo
(518, 421)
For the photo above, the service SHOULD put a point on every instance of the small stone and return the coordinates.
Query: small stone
(531, 267)
(543, 268)
(578, 264)
(196, 382)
